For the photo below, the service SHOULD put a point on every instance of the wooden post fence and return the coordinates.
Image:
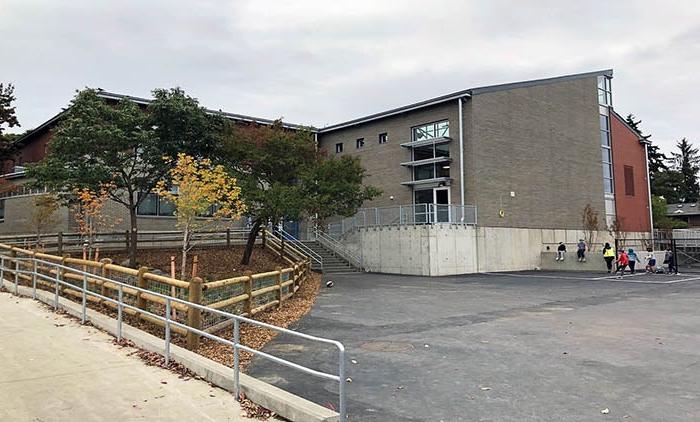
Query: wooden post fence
(194, 315)
(105, 274)
(142, 284)
(249, 291)
(279, 286)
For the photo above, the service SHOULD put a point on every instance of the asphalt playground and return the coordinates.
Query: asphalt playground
(521, 346)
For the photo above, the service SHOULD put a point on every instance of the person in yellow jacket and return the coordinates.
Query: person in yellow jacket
(608, 256)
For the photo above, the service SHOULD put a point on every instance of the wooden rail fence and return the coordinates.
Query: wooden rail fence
(245, 295)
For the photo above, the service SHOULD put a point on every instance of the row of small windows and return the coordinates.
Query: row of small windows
(360, 142)
(153, 204)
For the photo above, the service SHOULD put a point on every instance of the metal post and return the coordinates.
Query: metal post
(2, 271)
(341, 385)
(58, 278)
(119, 313)
(34, 272)
(167, 331)
(84, 318)
(236, 358)
(400, 215)
(16, 275)
(376, 216)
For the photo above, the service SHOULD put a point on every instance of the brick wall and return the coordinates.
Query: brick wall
(631, 192)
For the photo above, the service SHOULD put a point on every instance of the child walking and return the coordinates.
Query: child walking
(608, 256)
(622, 261)
(581, 250)
(632, 255)
(651, 263)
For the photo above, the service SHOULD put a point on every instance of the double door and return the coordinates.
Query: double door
(432, 205)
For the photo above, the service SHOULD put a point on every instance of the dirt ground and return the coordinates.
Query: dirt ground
(213, 263)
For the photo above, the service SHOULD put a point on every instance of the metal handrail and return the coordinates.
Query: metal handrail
(338, 248)
(300, 245)
(168, 322)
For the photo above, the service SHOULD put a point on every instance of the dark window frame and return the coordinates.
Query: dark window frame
(359, 143)
(338, 147)
(383, 138)
(629, 180)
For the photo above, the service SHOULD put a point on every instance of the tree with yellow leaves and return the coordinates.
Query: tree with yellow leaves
(195, 188)
(44, 214)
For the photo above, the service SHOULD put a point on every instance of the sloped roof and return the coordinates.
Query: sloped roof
(465, 94)
(677, 210)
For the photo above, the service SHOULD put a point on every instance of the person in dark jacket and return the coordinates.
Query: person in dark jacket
(561, 251)
(670, 260)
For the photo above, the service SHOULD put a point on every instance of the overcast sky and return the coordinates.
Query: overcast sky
(322, 62)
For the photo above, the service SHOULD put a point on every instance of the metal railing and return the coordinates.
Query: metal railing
(318, 259)
(400, 215)
(166, 318)
(338, 248)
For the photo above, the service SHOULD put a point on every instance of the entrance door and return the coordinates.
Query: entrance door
(422, 200)
(441, 199)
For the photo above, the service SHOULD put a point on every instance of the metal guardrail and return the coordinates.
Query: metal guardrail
(168, 321)
(401, 215)
(340, 249)
(299, 245)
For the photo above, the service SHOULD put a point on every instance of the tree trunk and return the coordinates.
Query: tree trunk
(185, 244)
(133, 236)
(251, 242)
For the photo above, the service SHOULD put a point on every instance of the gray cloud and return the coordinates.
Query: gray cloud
(319, 62)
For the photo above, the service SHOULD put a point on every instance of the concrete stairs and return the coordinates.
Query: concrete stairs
(332, 263)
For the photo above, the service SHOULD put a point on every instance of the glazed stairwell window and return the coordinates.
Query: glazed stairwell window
(434, 130)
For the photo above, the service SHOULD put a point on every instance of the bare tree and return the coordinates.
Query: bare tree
(589, 219)
(44, 215)
(616, 231)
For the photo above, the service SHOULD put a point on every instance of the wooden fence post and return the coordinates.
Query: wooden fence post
(59, 241)
(141, 283)
(249, 291)
(279, 286)
(105, 274)
(194, 315)
(228, 238)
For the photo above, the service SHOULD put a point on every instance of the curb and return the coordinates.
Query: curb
(285, 404)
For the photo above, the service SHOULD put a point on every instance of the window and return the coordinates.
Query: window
(338, 147)
(360, 143)
(383, 137)
(149, 204)
(629, 180)
(604, 91)
(432, 170)
(2, 210)
(431, 131)
(154, 204)
(606, 151)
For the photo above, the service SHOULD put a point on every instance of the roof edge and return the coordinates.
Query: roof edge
(467, 93)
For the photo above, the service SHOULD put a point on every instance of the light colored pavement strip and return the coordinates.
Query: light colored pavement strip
(54, 369)
(629, 278)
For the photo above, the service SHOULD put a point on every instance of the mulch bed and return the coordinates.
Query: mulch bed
(256, 337)
(215, 263)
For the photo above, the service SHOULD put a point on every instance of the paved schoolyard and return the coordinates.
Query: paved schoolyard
(528, 346)
(54, 369)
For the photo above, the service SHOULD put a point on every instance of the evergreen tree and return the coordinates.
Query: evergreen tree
(687, 162)
(657, 159)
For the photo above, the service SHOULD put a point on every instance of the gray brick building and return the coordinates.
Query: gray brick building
(527, 155)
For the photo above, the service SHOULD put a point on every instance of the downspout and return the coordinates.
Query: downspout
(461, 156)
(651, 208)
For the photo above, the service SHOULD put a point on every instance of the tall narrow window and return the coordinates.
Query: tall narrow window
(360, 143)
(629, 180)
(383, 137)
(338, 147)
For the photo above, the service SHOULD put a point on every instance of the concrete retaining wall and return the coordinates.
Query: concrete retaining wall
(444, 249)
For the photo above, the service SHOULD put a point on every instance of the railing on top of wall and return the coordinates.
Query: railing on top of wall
(400, 215)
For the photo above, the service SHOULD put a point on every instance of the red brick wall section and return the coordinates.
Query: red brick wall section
(632, 209)
(31, 152)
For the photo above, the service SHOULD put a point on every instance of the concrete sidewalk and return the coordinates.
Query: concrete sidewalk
(54, 369)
